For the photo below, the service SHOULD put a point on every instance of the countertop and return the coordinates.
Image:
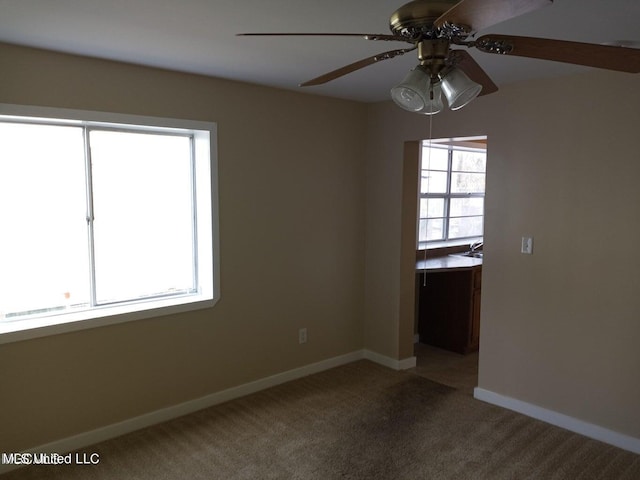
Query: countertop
(449, 262)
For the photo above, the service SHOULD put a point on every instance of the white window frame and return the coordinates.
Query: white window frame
(204, 136)
(450, 145)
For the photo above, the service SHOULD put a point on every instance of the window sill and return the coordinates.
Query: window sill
(440, 249)
(27, 329)
(450, 243)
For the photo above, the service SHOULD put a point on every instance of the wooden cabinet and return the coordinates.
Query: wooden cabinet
(449, 309)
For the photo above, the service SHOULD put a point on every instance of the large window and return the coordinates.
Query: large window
(452, 185)
(101, 218)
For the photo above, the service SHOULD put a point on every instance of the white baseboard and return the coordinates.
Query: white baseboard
(403, 364)
(101, 434)
(590, 430)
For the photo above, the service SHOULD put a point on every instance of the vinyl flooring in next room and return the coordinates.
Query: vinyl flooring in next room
(449, 368)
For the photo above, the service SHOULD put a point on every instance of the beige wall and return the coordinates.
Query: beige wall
(561, 328)
(292, 236)
(563, 325)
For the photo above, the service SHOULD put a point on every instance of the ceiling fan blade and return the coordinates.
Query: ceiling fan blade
(622, 59)
(480, 14)
(366, 36)
(464, 61)
(327, 77)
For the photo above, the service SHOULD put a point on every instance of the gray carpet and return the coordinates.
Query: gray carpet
(358, 421)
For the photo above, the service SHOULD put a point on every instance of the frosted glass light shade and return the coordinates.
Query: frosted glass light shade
(459, 89)
(409, 94)
(413, 93)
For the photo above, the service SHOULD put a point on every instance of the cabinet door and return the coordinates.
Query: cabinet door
(445, 310)
(475, 320)
(474, 339)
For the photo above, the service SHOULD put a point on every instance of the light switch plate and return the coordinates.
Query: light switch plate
(527, 245)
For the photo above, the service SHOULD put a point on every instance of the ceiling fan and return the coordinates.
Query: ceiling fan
(433, 27)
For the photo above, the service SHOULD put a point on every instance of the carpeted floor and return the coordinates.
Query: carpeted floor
(358, 421)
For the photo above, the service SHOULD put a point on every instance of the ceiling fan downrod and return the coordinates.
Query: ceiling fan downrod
(433, 54)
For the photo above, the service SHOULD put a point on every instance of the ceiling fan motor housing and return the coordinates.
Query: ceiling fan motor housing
(416, 19)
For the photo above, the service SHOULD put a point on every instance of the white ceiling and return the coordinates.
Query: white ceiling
(199, 36)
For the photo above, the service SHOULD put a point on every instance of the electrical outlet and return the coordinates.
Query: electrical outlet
(302, 335)
(527, 245)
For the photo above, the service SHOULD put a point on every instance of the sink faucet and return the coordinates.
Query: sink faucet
(476, 246)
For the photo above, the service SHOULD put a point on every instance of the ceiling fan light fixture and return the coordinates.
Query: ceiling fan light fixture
(410, 93)
(459, 89)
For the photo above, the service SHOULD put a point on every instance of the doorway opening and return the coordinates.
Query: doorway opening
(449, 256)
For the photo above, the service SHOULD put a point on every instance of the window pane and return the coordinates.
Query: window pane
(43, 246)
(465, 161)
(465, 227)
(143, 242)
(434, 158)
(433, 182)
(431, 207)
(431, 229)
(466, 206)
(467, 182)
